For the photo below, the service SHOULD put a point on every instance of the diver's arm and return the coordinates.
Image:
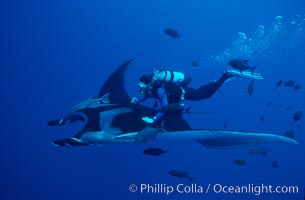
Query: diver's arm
(161, 95)
(144, 98)
(136, 100)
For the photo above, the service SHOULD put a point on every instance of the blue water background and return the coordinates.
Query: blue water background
(57, 53)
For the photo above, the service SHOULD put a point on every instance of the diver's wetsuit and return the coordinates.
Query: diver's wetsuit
(168, 94)
(205, 91)
(161, 97)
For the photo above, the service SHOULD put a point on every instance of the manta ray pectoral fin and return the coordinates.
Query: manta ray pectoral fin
(69, 142)
(55, 122)
(137, 137)
(70, 118)
(236, 139)
(227, 139)
(105, 98)
(127, 137)
(114, 85)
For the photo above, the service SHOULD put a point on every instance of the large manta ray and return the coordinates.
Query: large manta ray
(111, 118)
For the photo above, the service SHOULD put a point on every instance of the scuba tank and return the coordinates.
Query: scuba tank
(169, 76)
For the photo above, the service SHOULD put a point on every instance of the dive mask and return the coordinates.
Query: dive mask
(142, 87)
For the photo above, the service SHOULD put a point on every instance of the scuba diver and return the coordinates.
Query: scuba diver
(171, 88)
(164, 86)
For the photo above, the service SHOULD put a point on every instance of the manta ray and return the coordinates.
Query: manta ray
(112, 118)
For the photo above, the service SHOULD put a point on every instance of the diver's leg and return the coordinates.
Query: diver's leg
(187, 80)
(205, 91)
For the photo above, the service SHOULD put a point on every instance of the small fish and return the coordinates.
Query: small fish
(289, 83)
(154, 151)
(278, 84)
(250, 89)
(262, 118)
(175, 108)
(269, 104)
(290, 134)
(275, 164)
(297, 87)
(260, 150)
(195, 63)
(172, 33)
(297, 116)
(225, 126)
(241, 65)
(240, 162)
(180, 174)
(285, 107)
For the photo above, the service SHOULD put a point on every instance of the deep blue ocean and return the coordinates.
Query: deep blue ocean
(57, 53)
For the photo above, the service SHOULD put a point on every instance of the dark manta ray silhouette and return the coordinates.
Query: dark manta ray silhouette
(113, 119)
(117, 116)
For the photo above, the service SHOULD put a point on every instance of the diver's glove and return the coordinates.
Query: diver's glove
(134, 100)
(148, 120)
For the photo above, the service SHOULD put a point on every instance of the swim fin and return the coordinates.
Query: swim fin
(245, 74)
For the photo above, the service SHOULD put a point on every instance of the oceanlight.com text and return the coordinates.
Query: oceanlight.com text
(252, 189)
(255, 189)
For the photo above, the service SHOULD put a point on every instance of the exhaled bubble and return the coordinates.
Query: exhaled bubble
(278, 37)
(260, 32)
